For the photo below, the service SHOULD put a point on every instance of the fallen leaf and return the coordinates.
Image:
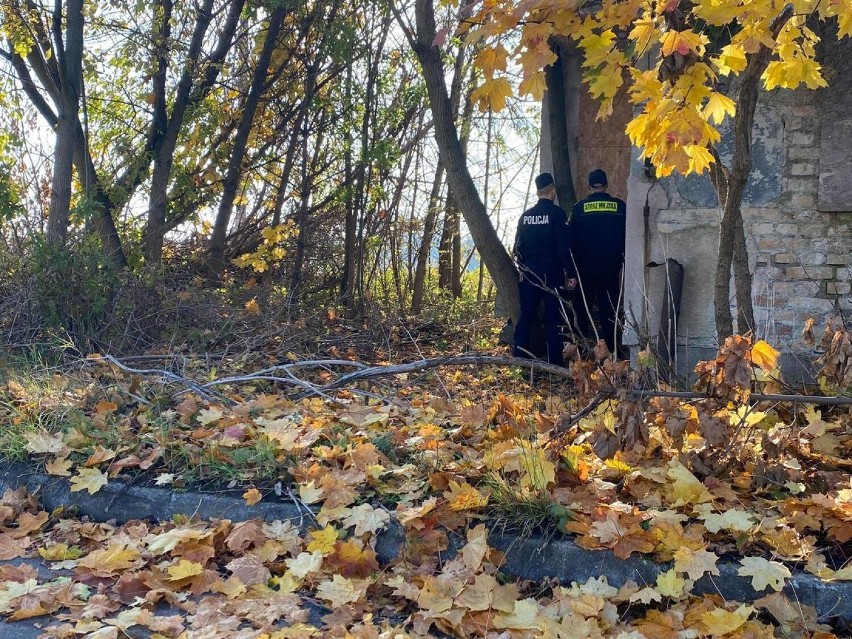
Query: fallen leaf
(367, 519)
(763, 573)
(670, 585)
(340, 590)
(184, 569)
(252, 496)
(40, 441)
(90, 479)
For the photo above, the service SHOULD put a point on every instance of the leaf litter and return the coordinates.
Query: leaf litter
(774, 496)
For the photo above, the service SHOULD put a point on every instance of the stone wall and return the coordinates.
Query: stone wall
(799, 229)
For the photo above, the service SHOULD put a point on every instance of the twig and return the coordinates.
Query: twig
(188, 383)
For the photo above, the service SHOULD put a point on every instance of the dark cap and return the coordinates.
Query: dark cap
(543, 181)
(597, 178)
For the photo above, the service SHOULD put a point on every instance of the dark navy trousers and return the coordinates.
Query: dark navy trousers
(534, 287)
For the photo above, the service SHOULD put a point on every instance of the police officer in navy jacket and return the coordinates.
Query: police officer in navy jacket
(597, 246)
(542, 249)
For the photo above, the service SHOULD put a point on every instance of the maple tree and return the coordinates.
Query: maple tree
(687, 66)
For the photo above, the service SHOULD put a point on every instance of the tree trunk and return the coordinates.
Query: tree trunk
(429, 225)
(189, 92)
(555, 96)
(494, 254)
(350, 238)
(69, 59)
(730, 186)
(216, 261)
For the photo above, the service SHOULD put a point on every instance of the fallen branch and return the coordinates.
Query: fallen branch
(159, 372)
(452, 360)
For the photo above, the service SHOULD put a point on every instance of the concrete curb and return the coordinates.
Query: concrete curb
(527, 557)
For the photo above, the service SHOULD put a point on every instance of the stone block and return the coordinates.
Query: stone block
(802, 153)
(838, 259)
(773, 243)
(763, 228)
(787, 290)
(801, 184)
(803, 168)
(802, 139)
(837, 288)
(786, 258)
(811, 259)
(766, 273)
(812, 304)
(810, 273)
(802, 201)
(787, 229)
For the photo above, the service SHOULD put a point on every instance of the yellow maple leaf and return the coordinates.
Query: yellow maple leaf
(110, 560)
(304, 564)
(763, 573)
(720, 622)
(764, 355)
(169, 540)
(683, 42)
(685, 486)
(184, 569)
(597, 47)
(288, 582)
(252, 496)
(90, 479)
(232, 588)
(492, 59)
(463, 496)
(537, 470)
(641, 34)
(252, 306)
(700, 158)
(341, 591)
(718, 106)
(695, 562)
(60, 552)
(476, 547)
(670, 585)
(323, 541)
(732, 59)
(492, 94)
(732, 519)
(523, 617)
(309, 493)
(533, 85)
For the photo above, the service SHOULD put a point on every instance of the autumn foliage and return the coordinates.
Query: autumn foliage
(685, 481)
(672, 58)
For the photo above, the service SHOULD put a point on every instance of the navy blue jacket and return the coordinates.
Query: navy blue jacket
(597, 234)
(542, 243)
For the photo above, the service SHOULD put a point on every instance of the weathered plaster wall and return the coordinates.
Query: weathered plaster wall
(797, 211)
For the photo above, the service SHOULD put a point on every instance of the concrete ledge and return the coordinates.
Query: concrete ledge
(530, 557)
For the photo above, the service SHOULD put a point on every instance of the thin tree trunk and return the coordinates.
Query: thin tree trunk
(69, 58)
(188, 93)
(555, 96)
(494, 254)
(216, 261)
(350, 238)
(730, 186)
(425, 249)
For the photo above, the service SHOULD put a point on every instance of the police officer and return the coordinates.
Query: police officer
(542, 249)
(597, 246)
